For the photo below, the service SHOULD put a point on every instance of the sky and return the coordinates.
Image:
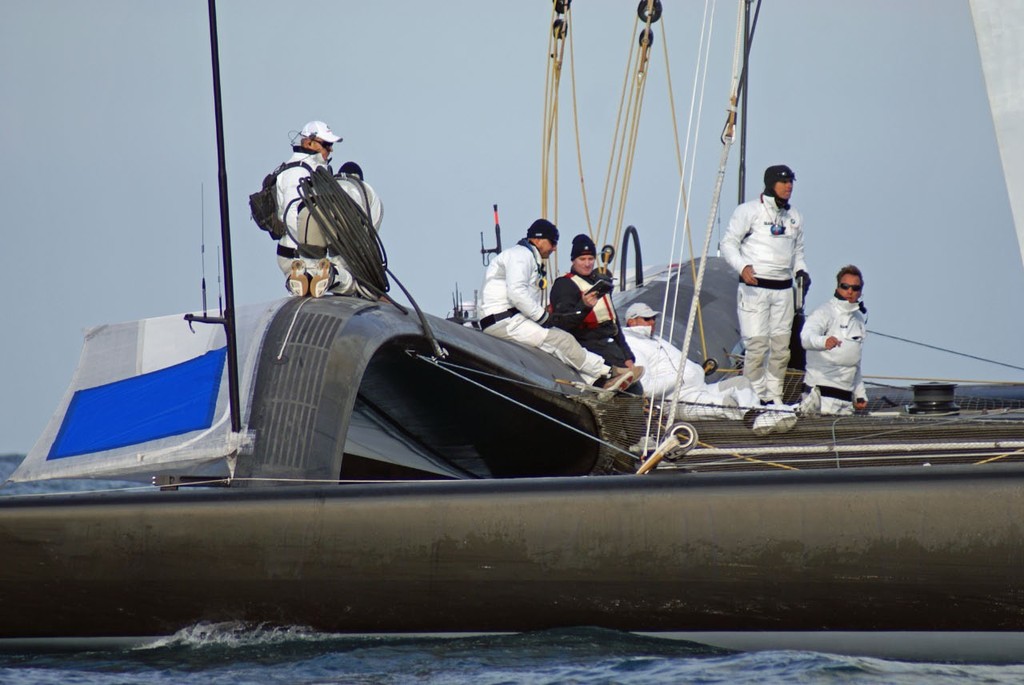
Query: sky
(110, 177)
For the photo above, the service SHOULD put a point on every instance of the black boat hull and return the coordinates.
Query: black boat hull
(923, 549)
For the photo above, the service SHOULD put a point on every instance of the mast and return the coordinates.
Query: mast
(741, 189)
(227, 319)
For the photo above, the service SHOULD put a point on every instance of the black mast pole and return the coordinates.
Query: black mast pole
(228, 316)
(741, 191)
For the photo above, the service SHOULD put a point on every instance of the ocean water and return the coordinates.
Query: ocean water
(236, 655)
(239, 654)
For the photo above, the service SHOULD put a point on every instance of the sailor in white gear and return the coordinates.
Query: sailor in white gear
(316, 275)
(729, 399)
(512, 307)
(312, 152)
(833, 336)
(764, 243)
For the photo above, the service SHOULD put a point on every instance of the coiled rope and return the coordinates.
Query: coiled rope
(350, 234)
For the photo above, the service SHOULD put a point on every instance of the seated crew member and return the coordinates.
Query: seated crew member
(589, 316)
(512, 307)
(729, 399)
(833, 336)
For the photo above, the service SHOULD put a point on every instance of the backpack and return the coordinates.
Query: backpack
(263, 204)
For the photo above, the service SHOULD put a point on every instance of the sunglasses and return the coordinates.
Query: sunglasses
(325, 144)
(847, 286)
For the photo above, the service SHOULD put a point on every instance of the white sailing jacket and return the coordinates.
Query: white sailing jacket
(287, 191)
(840, 366)
(513, 280)
(660, 360)
(768, 238)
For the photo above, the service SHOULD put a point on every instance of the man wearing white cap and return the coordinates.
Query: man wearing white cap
(305, 275)
(729, 399)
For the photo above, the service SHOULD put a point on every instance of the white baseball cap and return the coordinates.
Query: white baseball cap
(639, 310)
(320, 131)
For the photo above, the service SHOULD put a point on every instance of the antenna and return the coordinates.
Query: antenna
(485, 252)
(202, 241)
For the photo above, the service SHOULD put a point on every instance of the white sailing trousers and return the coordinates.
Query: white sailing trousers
(766, 322)
(555, 342)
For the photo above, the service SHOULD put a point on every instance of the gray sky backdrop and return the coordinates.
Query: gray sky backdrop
(108, 142)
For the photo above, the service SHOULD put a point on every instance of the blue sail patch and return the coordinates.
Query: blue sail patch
(172, 401)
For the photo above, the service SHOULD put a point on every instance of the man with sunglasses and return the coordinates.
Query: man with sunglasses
(764, 243)
(303, 275)
(834, 337)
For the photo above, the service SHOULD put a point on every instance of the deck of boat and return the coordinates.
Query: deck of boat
(982, 430)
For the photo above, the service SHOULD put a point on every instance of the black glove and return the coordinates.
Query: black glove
(806, 280)
(564, 320)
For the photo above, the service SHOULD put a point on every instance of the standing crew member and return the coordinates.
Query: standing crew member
(513, 309)
(588, 315)
(764, 244)
(833, 336)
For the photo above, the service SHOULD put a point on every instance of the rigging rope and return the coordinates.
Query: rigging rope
(943, 349)
(728, 136)
(682, 203)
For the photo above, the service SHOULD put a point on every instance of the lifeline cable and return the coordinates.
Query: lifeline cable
(943, 349)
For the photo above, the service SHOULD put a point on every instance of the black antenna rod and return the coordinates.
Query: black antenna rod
(202, 242)
(228, 317)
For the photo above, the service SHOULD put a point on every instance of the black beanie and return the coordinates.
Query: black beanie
(774, 174)
(542, 228)
(581, 245)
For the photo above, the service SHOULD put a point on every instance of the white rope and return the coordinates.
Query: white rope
(692, 133)
(727, 140)
(855, 448)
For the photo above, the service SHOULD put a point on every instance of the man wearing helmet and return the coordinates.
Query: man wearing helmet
(764, 244)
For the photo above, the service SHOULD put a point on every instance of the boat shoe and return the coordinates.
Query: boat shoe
(777, 418)
(624, 379)
(637, 370)
(323, 279)
(298, 282)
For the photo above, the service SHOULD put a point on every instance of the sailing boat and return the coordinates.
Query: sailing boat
(478, 528)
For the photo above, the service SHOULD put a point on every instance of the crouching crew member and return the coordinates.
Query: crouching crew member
(833, 336)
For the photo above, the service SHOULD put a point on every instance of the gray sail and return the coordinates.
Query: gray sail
(998, 26)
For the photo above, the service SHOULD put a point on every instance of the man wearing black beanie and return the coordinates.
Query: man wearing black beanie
(764, 243)
(512, 305)
(588, 314)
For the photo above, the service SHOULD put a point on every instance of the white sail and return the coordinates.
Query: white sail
(998, 26)
(148, 397)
